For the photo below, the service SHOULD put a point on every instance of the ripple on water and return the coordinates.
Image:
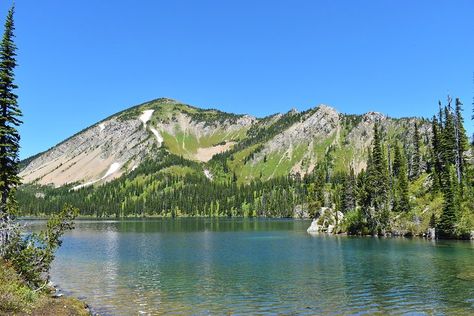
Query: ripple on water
(261, 267)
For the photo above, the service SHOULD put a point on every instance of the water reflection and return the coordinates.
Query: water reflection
(206, 266)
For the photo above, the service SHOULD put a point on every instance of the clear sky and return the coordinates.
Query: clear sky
(81, 61)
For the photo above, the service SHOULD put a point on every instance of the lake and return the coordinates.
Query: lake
(258, 266)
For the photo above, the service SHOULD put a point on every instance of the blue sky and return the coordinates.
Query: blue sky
(81, 61)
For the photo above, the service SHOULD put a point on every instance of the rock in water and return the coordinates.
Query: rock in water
(431, 233)
(326, 221)
(314, 228)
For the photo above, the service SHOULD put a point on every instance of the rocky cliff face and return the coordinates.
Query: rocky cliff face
(293, 143)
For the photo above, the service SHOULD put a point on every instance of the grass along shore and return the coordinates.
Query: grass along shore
(16, 298)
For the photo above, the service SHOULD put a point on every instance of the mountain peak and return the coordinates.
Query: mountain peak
(374, 116)
(327, 109)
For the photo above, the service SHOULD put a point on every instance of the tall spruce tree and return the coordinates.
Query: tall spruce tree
(416, 159)
(402, 201)
(447, 221)
(462, 142)
(378, 185)
(9, 121)
(436, 155)
(348, 198)
(448, 141)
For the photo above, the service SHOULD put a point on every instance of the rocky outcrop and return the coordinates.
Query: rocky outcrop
(325, 221)
(320, 124)
(88, 155)
(431, 234)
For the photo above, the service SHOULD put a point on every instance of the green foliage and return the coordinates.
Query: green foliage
(15, 295)
(9, 121)
(348, 193)
(354, 223)
(17, 298)
(377, 186)
(31, 256)
(400, 175)
(316, 192)
(416, 160)
(172, 186)
(446, 225)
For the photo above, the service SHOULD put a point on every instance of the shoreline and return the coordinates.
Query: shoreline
(393, 234)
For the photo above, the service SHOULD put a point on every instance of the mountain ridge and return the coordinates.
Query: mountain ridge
(277, 144)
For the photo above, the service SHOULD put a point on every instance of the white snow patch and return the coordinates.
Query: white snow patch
(134, 167)
(157, 135)
(112, 169)
(77, 187)
(208, 174)
(102, 126)
(146, 116)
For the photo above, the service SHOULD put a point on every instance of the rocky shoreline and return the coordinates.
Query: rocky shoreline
(328, 221)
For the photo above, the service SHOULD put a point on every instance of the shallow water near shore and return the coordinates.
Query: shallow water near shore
(265, 266)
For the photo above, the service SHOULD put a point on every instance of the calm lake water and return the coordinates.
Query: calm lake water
(240, 266)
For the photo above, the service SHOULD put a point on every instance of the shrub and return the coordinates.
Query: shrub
(31, 255)
(353, 222)
(15, 295)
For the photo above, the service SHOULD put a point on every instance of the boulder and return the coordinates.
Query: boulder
(431, 234)
(314, 228)
(325, 221)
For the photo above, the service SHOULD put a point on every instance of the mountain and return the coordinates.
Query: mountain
(252, 148)
(166, 158)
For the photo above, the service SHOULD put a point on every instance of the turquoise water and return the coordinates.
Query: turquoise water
(236, 266)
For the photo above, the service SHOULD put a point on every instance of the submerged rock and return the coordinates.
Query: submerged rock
(466, 275)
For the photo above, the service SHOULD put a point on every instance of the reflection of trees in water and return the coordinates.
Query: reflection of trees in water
(397, 275)
(454, 276)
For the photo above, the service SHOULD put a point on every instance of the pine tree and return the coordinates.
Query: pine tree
(378, 185)
(402, 187)
(436, 155)
(9, 121)
(402, 201)
(432, 221)
(416, 160)
(446, 225)
(448, 141)
(316, 191)
(461, 140)
(348, 201)
(397, 160)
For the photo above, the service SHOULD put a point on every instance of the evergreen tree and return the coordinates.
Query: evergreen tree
(316, 191)
(402, 202)
(462, 142)
(448, 141)
(378, 185)
(446, 225)
(432, 221)
(348, 199)
(9, 121)
(436, 155)
(416, 159)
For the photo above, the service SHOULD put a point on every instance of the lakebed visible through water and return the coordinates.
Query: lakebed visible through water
(249, 266)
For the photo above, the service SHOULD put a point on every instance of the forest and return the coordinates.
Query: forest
(407, 186)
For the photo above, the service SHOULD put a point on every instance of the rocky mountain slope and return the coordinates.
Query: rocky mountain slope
(223, 144)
